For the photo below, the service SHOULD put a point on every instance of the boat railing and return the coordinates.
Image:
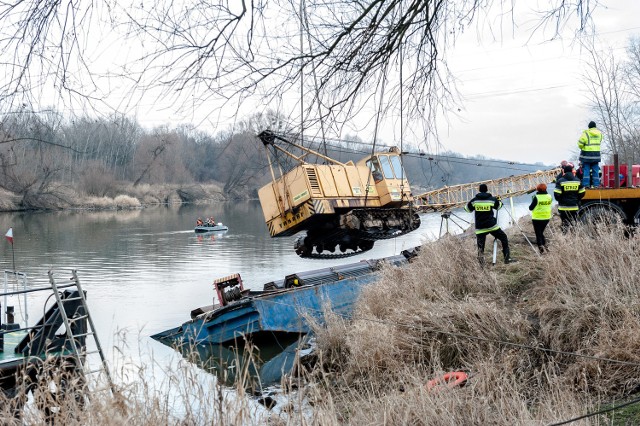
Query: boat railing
(7, 319)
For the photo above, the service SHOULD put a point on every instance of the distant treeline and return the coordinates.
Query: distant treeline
(40, 152)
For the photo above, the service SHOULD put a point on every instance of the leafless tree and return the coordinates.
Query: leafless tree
(148, 155)
(613, 87)
(349, 54)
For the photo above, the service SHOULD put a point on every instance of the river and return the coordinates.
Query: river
(144, 270)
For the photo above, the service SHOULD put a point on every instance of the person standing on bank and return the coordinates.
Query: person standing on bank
(569, 191)
(589, 144)
(540, 214)
(483, 205)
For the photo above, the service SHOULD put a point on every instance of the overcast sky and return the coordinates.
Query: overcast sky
(527, 101)
(524, 99)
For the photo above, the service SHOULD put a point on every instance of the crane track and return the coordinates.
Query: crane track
(360, 239)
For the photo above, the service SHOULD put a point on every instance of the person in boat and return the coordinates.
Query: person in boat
(211, 221)
(199, 222)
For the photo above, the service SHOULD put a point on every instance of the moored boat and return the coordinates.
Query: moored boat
(283, 306)
(34, 358)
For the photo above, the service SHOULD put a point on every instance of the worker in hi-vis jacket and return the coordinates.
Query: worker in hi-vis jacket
(483, 204)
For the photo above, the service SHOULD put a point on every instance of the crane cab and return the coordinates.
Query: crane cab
(389, 178)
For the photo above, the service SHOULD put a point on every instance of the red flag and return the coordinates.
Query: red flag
(9, 235)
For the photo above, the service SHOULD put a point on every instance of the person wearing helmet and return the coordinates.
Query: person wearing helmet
(540, 214)
(483, 205)
(562, 164)
(569, 191)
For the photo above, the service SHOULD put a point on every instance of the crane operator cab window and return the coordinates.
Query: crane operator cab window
(387, 167)
(376, 171)
(397, 167)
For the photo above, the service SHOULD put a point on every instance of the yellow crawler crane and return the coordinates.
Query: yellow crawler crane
(343, 206)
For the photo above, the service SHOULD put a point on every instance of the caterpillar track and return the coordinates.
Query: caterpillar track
(357, 233)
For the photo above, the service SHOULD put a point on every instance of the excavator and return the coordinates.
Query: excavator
(343, 207)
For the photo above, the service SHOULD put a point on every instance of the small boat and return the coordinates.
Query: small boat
(283, 306)
(56, 344)
(200, 229)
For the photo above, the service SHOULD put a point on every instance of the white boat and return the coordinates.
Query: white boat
(211, 228)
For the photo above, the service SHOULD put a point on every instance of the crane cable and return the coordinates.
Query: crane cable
(375, 136)
(315, 77)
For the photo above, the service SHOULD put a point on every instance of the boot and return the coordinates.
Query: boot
(508, 258)
(541, 248)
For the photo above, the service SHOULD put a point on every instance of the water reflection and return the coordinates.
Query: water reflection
(144, 270)
(254, 365)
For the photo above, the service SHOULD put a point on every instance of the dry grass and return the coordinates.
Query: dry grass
(446, 313)
(146, 394)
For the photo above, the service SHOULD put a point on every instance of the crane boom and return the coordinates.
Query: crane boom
(455, 196)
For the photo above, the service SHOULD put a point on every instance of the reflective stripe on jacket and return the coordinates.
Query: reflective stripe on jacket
(589, 144)
(483, 205)
(541, 206)
(568, 192)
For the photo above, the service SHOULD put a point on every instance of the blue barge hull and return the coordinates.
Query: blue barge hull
(283, 307)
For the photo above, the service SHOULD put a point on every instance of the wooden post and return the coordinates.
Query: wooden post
(616, 171)
(630, 162)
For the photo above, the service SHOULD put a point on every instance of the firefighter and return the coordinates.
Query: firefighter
(589, 144)
(540, 214)
(483, 205)
(562, 164)
(569, 191)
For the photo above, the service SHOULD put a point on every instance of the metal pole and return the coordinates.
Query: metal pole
(630, 171)
(26, 313)
(526, 238)
(495, 241)
(6, 290)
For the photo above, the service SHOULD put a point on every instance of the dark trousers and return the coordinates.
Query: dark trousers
(539, 227)
(498, 234)
(568, 218)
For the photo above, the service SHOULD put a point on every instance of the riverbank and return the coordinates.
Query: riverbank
(543, 340)
(121, 196)
(546, 339)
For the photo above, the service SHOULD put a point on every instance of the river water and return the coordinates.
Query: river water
(144, 270)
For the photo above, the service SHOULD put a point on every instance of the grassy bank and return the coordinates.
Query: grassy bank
(118, 196)
(539, 338)
(544, 340)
